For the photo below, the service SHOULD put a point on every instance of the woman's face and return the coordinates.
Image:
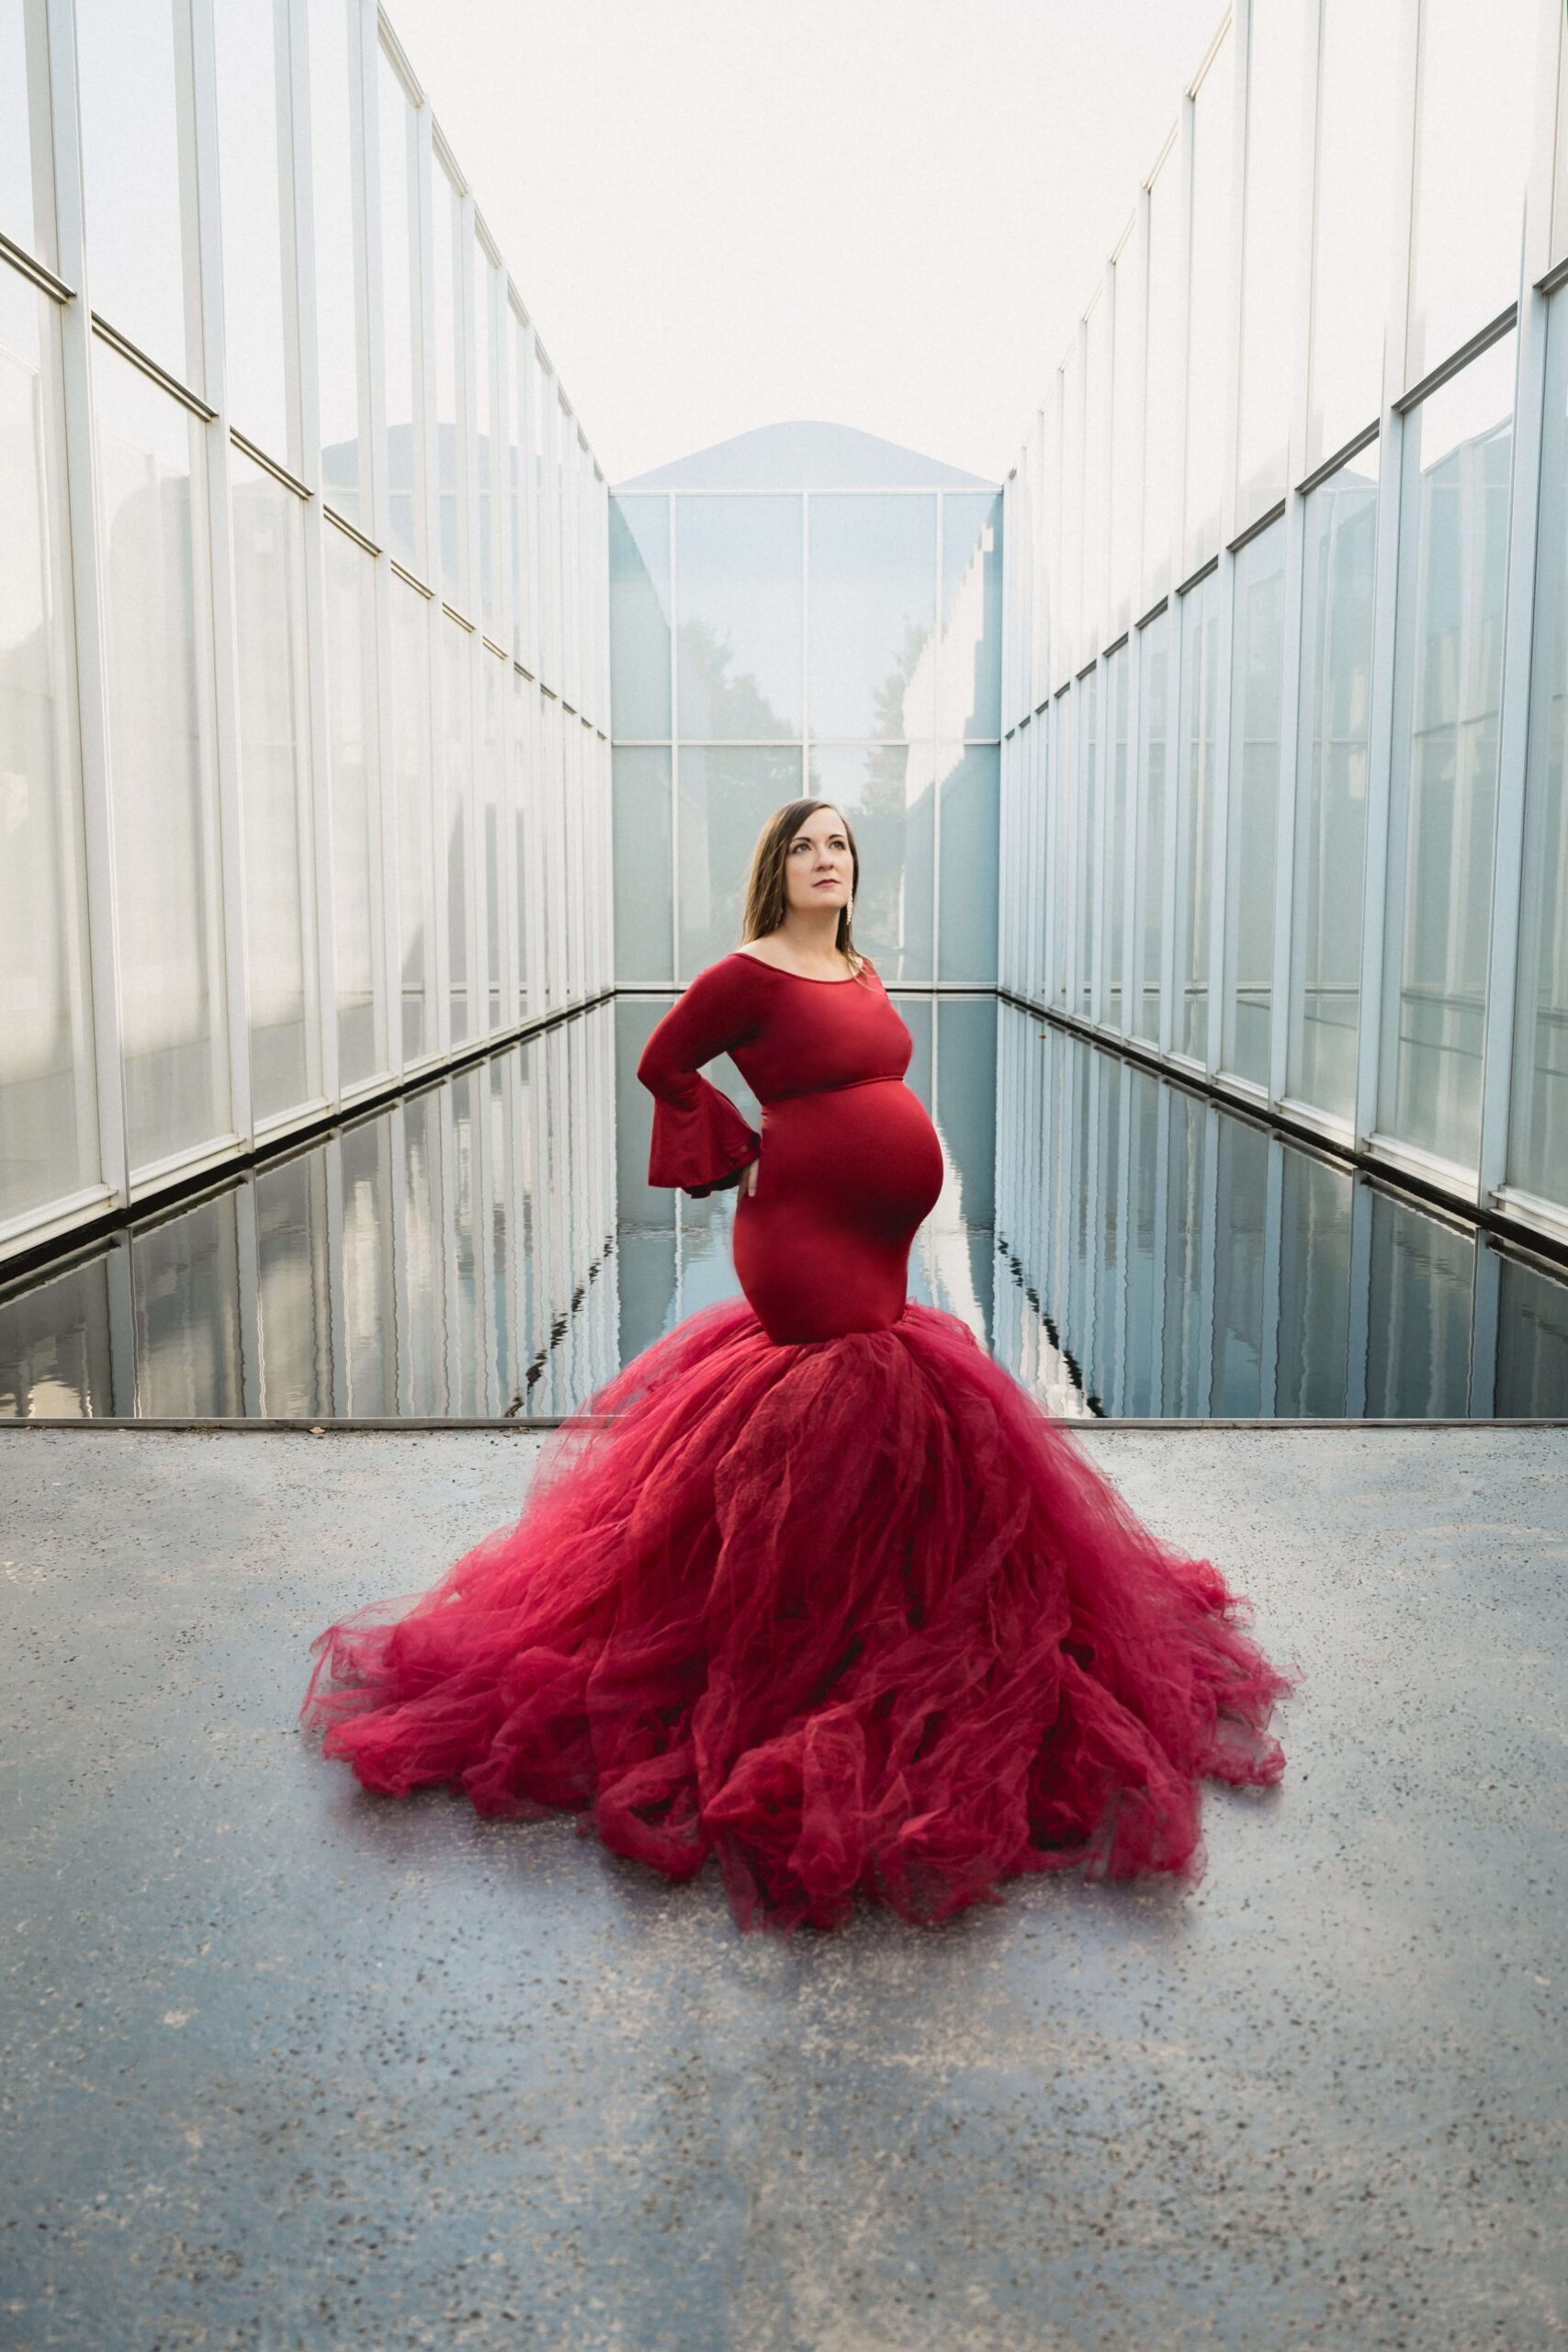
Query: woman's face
(818, 868)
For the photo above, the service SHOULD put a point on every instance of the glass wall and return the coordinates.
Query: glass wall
(1347, 877)
(785, 638)
(277, 829)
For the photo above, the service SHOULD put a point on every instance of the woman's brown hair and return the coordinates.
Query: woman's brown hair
(766, 898)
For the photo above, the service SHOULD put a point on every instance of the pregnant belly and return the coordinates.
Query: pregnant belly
(843, 1180)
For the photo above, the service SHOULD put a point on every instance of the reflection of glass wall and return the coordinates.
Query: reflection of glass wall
(799, 630)
(277, 829)
(454, 1254)
(1331, 569)
(1164, 1257)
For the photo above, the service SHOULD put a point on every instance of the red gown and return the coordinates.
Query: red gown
(830, 1596)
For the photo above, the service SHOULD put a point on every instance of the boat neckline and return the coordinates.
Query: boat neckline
(788, 975)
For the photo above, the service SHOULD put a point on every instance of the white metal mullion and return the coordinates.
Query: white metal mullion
(341, 1396)
(674, 754)
(1118, 1402)
(936, 718)
(1219, 808)
(1098, 914)
(1513, 746)
(84, 596)
(221, 646)
(1481, 1403)
(1209, 1116)
(1173, 881)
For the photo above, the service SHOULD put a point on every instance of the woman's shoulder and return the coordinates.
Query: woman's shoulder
(748, 954)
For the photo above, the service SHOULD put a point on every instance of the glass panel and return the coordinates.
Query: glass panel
(640, 619)
(1088, 843)
(458, 771)
(334, 52)
(1532, 1343)
(48, 1114)
(185, 1294)
(525, 703)
(410, 784)
(449, 229)
(1096, 474)
(25, 206)
(1209, 306)
(1155, 716)
(644, 874)
(491, 787)
(482, 343)
(739, 616)
(294, 1361)
(159, 662)
(369, 1307)
(1117, 672)
(1537, 1142)
(1419, 1315)
(969, 686)
(1126, 418)
(520, 506)
(1257, 674)
(1161, 454)
(872, 611)
(968, 794)
(357, 865)
(138, 180)
(1331, 795)
(1477, 81)
(274, 797)
(1447, 673)
(1063, 821)
(251, 43)
(1359, 109)
(889, 796)
(726, 797)
(1200, 692)
(545, 603)
(1072, 640)
(1274, 98)
(1312, 1348)
(400, 312)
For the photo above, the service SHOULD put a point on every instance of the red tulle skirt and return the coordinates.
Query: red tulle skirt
(855, 1615)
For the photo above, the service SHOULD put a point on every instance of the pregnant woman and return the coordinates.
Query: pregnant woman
(827, 1594)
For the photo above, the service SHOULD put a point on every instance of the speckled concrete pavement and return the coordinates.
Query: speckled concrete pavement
(287, 2065)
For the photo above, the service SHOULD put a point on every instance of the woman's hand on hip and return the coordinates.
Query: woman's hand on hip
(749, 1176)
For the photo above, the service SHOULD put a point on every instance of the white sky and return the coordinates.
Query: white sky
(726, 213)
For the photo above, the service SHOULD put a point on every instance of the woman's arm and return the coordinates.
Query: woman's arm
(701, 1144)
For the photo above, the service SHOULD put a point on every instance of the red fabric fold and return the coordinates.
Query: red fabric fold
(700, 1145)
(853, 1616)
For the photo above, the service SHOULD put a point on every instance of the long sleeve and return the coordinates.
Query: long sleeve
(701, 1143)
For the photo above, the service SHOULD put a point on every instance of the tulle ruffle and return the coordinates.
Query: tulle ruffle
(855, 1615)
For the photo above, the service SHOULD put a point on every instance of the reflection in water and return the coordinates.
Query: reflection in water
(1172, 1260)
(482, 1248)
(451, 1255)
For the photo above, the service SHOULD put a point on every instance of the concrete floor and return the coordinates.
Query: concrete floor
(287, 2065)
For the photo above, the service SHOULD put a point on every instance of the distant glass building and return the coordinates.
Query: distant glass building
(1284, 768)
(304, 757)
(806, 609)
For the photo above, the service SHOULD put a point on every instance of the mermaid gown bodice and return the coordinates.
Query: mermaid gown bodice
(847, 1161)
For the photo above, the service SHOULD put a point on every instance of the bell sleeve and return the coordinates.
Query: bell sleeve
(701, 1143)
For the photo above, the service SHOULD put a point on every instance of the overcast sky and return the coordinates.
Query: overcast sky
(885, 213)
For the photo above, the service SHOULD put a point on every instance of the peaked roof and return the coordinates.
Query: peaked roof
(807, 456)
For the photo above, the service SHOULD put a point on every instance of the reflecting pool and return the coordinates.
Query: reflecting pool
(486, 1247)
